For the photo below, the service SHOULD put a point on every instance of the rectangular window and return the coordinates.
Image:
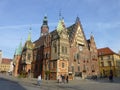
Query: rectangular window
(78, 61)
(108, 57)
(101, 57)
(63, 65)
(109, 63)
(65, 50)
(55, 49)
(62, 49)
(72, 68)
(102, 64)
(29, 56)
(78, 68)
(93, 67)
(84, 67)
(54, 64)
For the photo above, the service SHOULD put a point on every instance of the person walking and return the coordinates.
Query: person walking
(39, 80)
(67, 78)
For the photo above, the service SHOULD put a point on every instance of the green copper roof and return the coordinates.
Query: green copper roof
(45, 21)
(61, 25)
(19, 49)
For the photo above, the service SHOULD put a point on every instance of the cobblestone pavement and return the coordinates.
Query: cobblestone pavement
(101, 84)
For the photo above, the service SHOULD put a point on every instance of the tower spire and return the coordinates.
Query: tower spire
(44, 27)
(61, 24)
(29, 35)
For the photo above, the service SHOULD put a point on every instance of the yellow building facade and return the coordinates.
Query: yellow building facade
(5, 65)
(109, 62)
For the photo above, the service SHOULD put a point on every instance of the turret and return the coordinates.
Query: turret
(44, 27)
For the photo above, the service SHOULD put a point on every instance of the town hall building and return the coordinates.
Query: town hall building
(63, 51)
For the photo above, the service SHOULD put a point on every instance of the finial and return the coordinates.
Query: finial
(30, 28)
(60, 14)
(91, 33)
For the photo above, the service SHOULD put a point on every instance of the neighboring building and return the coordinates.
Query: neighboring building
(23, 57)
(5, 65)
(109, 62)
(0, 56)
(16, 60)
(11, 67)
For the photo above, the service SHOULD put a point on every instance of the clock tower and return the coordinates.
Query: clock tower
(44, 27)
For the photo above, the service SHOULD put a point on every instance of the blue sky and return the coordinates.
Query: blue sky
(101, 17)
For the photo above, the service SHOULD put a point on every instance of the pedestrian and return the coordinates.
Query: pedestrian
(39, 80)
(111, 77)
(67, 78)
(59, 79)
(63, 79)
(29, 73)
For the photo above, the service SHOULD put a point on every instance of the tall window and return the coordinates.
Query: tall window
(109, 63)
(29, 56)
(101, 57)
(62, 49)
(78, 68)
(84, 67)
(72, 68)
(102, 64)
(63, 65)
(93, 67)
(55, 47)
(54, 64)
(108, 57)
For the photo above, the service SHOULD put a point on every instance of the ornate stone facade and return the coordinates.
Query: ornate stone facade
(69, 52)
(64, 51)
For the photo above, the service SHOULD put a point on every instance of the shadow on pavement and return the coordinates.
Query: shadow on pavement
(6, 84)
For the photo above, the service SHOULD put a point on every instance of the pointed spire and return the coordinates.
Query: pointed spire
(91, 36)
(29, 35)
(19, 49)
(15, 51)
(61, 25)
(77, 20)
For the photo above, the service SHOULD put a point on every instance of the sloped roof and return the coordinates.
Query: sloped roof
(61, 25)
(19, 49)
(6, 61)
(105, 51)
(40, 41)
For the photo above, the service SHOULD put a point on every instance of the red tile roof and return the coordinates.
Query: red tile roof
(6, 61)
(105, 51)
